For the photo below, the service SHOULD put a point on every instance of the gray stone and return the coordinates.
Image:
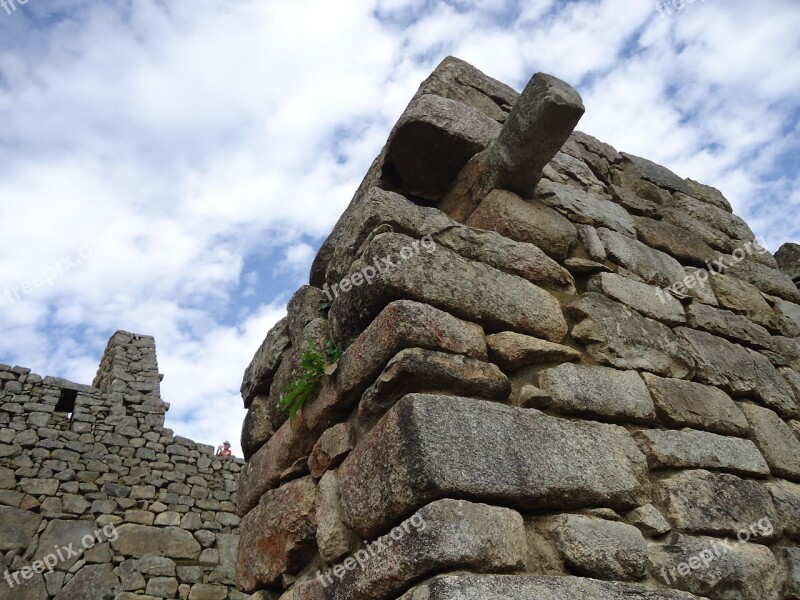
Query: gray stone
(648, 520)
(786, 497)
(701, 450)
(686, 246)
(769, 281)
(163, 587)
(632, 201)
(700, 289)
(204, 591)
(140, 540)
(334, 538)
(465, 288)
(92, 581)
(586, 207)
(169, 518)
(513, 350)
(714, 503)
(729, 325)
(228, 547)
(528, 221)
(653, 266)
(536, 128)
(788, 258)
(791, 557)
(577, 464)
(742, 297)
(157, 566)
(602, 549)
(431, 143)
(428, 371)
(39, 487)
(775, 440)
(592, 243)
(446, 534)
(617, 336)
(650, 301)
(788, 315)
(598, 392)
(738, 371)
(17, 528)
(716, 568)
(62, 534)
(682, 403)
(717, 218)
(518, 587)
(660, 176)
(709, 194)
(8, 480)
(331, 449)
(257, 427)
(31, 589)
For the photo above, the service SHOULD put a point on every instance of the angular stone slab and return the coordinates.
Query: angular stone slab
(729, 224)
(681, 403)
(775, 440)
(431, 143)
(602, 549)
(528, 587)
(513, 350)
(718, 504)
(598, 392)
(278, 536)
(92, 581)
(140, 540)
(259, 373)
(407, 460)
(620, 337)
(714, 568)
(729, 325)
(709, 194)
(786, 497)
(527, 221)
(586, 207)
(738, 370)
(769, 281)
(441, 278)
(419, 370)
(17, 528)
(62, 534)
(537, 127)
(657, 174)
(701, 450)
(788, 258)
(444, 535)
(688, 247)
(650, 301)
(651, 265)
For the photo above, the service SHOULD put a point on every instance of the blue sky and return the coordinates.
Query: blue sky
(182, 161)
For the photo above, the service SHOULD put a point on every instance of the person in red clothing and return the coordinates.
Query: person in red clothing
(224, 450)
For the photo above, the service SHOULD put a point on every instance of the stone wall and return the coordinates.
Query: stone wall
(569, 373)
(94, 486)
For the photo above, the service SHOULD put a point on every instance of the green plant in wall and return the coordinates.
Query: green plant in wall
(314, 365)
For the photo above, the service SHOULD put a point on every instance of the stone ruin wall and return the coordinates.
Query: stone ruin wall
(96, 461)
(539, 400)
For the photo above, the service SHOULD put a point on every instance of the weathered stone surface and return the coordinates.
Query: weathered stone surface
(17, 528)
(633, 202)
(775, 440)
(788, 258)
(617, 336)
(648, 300)
(443, 535)
(92, 581)
(578, 463)
(513, 350)
(700, 288)
(586, 207)
(598, 392)
(518, 587)
(536, 128)
(709, 194)
(742, 297)
(716, 568)
(330, 449)
(648, 520)
(304, 307)
(257, 427)
(428, 371)
(30, 589)
(155, 565)
(769, 281)
(788, 316)
(651, 265)
(688, 247)
(682, 403)
(527, 221)
(721, 220)
(458, 80)
(140, 540)
(786, 497)
(660, 176)
(569, 169)
(465, 288)
(791, 557)
(204, 591)
(738, 370)
(701, 450)
(431, 143)
(728, 324)
(334, 538)
(62, 534)
(259, 374)
(714, 503)
(277, 536)
(592, 242)
(602, 549)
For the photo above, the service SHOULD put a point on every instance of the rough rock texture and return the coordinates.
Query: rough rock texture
(99, 479)
(534, 325)
(788, 257)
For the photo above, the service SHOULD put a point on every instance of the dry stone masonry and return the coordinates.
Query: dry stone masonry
(99, 501)
(586, 389)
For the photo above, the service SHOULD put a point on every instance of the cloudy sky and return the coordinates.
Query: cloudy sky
(172, 166)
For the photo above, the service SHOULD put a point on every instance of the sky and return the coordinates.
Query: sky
(171, 167)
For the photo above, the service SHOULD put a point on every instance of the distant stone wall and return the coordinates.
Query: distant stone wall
(569, 374)
(94, 486)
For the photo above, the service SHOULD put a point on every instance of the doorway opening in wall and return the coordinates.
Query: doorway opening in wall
(66, 402)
